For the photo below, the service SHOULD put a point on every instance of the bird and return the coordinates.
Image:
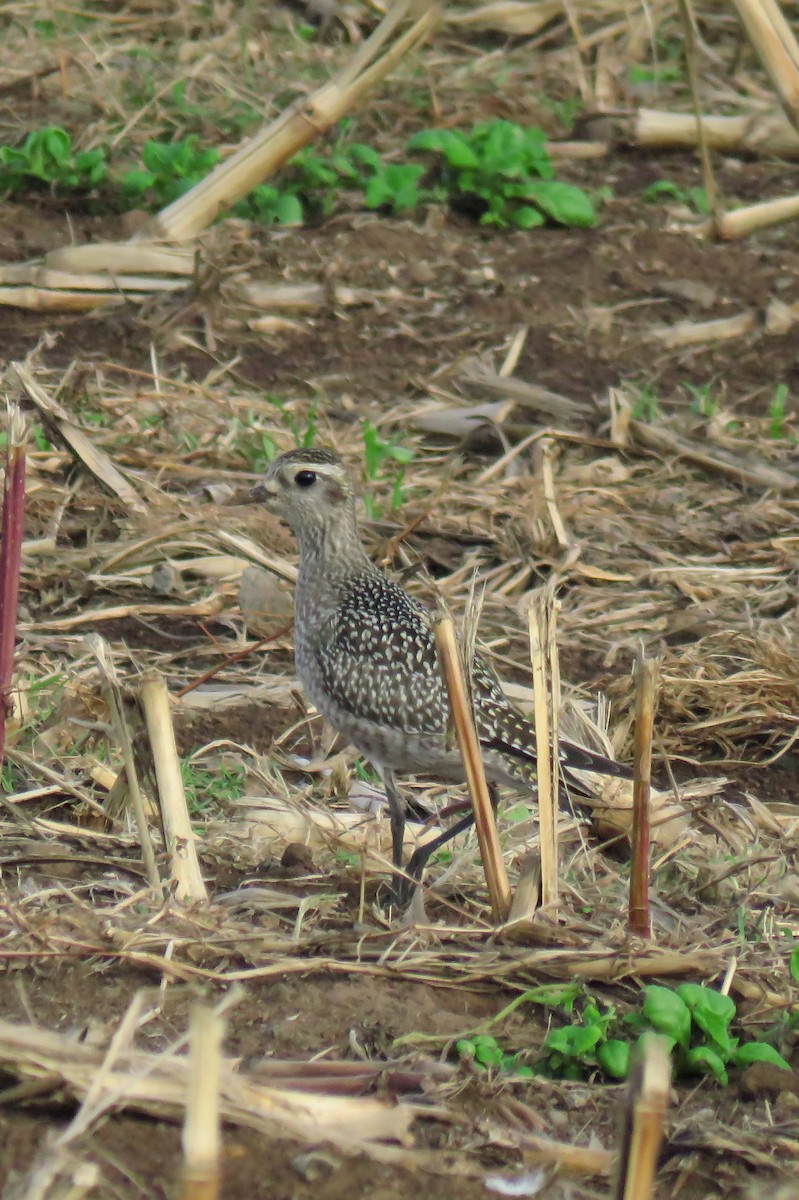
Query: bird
(365, 654)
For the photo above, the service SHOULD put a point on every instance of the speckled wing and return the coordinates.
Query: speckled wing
(379, 662)
(502, 728)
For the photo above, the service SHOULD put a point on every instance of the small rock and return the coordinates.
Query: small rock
(314, 1165)
(164, 579)
(265, 601)
(421, 273)
(297, 855)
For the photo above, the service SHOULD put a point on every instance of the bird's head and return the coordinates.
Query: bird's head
(310, 489)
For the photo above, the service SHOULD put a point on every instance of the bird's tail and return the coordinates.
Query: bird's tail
(514, 738)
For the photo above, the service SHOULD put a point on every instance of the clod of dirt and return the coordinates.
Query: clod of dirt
(765, 1080)
(298, 859)
(266, 602)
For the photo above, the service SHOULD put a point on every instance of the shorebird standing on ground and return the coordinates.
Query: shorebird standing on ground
(367, 660)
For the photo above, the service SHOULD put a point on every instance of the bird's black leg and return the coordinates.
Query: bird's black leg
(396, 806)
(422, 854)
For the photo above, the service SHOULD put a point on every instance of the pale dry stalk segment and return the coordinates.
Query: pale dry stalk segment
(644, 1115)
(202, 1128)
(11, 557)
(187, 877)
(485, 824)
(646, 677)
(772, 38)
(541, 638)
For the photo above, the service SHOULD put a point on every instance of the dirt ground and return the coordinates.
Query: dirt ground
(443, 293)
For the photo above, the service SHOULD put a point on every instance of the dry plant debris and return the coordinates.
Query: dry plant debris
(539, 390)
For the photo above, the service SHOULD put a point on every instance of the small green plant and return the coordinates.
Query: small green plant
(207, 789)
(776, 411)
(380, 452)
(703, 402)
(667, 189)
(566, 111)
(668, 65)
(206, 110)
(169, 169)
(395, 187)
(269, 206)
(485, 1052)
(40, 439)
(502, 171)
(568, 1052)
(695, 1019)
(647, 404)
(47, 157)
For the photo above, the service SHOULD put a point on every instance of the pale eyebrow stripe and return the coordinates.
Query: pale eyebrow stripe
(318, 468)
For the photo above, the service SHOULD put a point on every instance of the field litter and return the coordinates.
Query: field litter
(571, 415)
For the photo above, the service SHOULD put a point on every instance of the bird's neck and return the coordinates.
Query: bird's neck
(331, 552)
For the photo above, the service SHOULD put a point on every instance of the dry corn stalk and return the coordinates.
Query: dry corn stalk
(187, 877)
(773, 39)
(768, 134)
(485, 824)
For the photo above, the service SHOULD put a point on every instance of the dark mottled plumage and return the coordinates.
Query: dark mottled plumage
(366, 652)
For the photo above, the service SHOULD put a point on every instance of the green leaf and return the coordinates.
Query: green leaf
(667, 1013)
(158, 156)
(136, 183)
(753, 1052)
(365, 155)
(613, 1057)
(527, 217)
(448, 142)
(377, 192)
(288, 210)
(564, 203)
(487, 1051)
(430, 139)
(663, 188)
(57, 143)
(573, 1040)
(703, 1059)
(711, 1010)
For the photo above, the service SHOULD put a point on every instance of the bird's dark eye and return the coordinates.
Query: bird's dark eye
(305, 479)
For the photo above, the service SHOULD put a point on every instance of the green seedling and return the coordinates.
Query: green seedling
(564, 111)
(693, 1018)
(647, 404)
(206, 790)
(703, 402)
(47, 157)
(211, 111)
(380, 453)
(486, 1053)
(395, 187)
(169, 169)
(776, 412)
(668, 67)
(503, 172)
(667, 189)
(269, 206)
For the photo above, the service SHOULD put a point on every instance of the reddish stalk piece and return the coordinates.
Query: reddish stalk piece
(11, 558)
(646, 674)
(233, 658)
